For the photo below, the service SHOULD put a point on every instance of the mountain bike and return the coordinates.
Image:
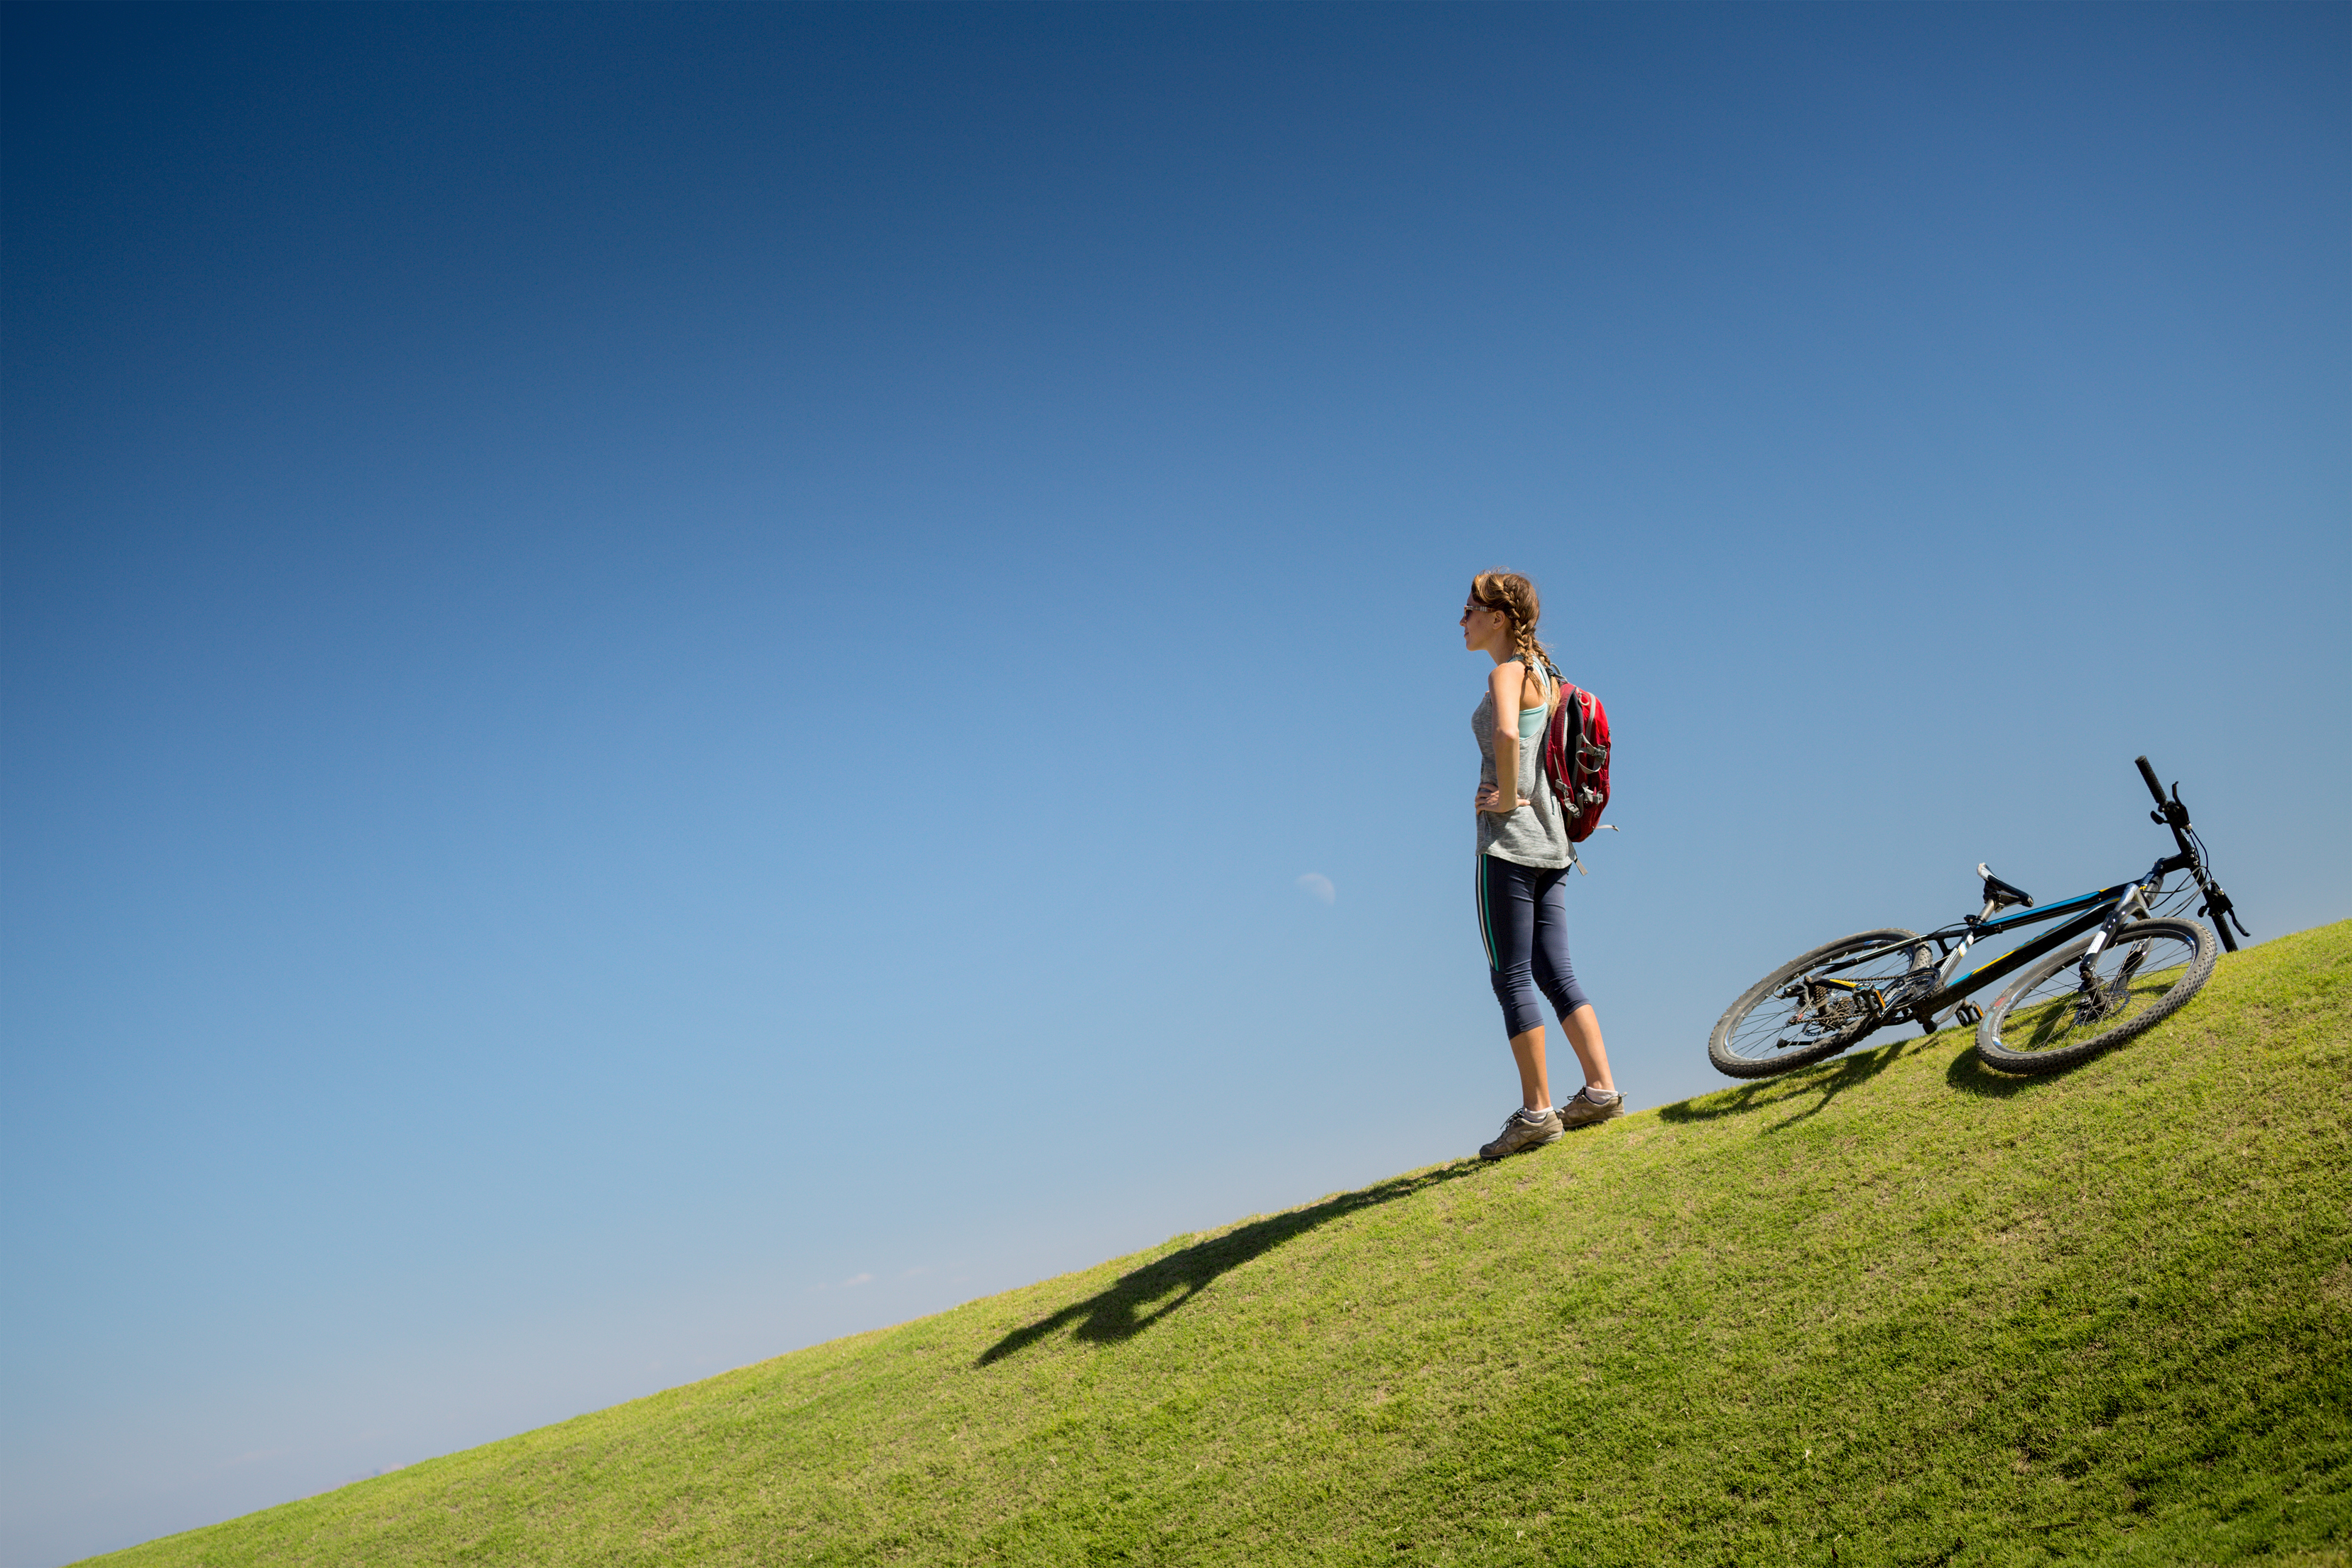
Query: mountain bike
(2120, 959)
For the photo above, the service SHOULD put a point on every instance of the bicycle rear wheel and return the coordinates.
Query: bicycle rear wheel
(2049, 1019)
(1797, 1014)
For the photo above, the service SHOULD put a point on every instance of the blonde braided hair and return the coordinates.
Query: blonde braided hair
(1516, 597)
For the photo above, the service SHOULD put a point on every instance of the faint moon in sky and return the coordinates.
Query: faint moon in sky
(1318, 886)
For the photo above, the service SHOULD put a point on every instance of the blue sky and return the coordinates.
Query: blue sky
(666, 673)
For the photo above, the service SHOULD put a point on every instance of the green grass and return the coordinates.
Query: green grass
(1893, 1309)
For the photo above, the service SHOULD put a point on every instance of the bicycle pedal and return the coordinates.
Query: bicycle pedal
(1968, 1012)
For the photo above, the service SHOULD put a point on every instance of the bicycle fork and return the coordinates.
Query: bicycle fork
(2095, 1001)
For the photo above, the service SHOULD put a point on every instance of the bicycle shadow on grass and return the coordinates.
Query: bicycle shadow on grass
(1826, 1080)
(1970, 1076)
(1135, 1300)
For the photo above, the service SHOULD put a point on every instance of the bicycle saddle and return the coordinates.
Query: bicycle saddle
(1998, 892)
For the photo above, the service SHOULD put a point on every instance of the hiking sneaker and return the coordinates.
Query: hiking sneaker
(1584, 1110)
(1520, 1130)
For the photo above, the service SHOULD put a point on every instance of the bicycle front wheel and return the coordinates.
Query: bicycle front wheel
(1797, 1013)
(2052, 1017)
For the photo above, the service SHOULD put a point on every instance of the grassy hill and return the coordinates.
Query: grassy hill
(1890, 1309)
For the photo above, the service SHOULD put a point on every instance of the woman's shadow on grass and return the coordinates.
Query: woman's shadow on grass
(1135, 1301)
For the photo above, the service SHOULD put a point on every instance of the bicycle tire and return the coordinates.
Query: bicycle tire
(2039, 1022)
(1736, 1049)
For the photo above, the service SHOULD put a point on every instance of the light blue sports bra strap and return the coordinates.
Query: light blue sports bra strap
(1532, 719)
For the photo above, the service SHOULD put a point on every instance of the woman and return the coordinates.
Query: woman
(1523, 860)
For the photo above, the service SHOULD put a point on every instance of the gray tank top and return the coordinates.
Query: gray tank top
(1534, 835)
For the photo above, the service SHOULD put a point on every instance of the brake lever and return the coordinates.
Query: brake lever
(2219, 906)
(2173, 813)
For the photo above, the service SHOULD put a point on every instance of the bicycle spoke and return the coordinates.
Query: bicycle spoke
(1813, 1008)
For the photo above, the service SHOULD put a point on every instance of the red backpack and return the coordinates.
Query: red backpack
(1576, 758)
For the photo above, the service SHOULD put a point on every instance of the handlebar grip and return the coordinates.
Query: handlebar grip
(2147, 776)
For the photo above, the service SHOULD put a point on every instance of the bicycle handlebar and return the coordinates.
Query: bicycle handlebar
(2172, 813)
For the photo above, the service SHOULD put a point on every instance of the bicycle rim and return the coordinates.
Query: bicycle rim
(1798, 1014)
(2052, 1017)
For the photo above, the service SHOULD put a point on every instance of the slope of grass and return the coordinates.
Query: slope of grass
(1893, 1308)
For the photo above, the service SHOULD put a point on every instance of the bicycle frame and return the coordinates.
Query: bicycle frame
(1925, 992)
(2103, 911)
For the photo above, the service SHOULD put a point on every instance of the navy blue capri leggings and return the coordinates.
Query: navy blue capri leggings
(1523, 915)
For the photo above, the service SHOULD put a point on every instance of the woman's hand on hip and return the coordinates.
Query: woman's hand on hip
(1489, 798)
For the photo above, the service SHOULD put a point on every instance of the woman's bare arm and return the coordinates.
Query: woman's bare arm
(1507, 684)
